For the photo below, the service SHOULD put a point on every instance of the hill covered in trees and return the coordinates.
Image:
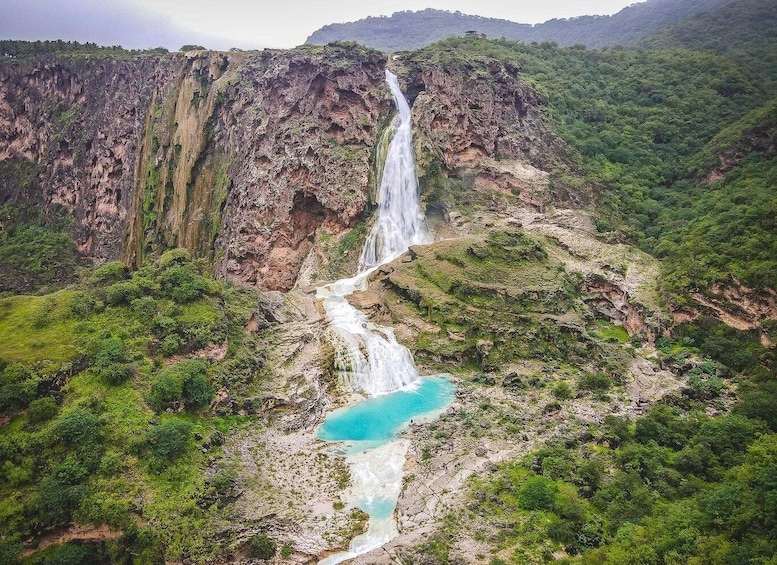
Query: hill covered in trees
(413, 30)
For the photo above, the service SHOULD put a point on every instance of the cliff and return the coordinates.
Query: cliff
(251, 159)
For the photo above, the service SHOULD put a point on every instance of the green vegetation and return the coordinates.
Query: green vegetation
(107, 386)
(497, 299)
(261, 547)
(102, 429)
(413, 30)
(679, 487)
(36, 250)
(28, 49)
(648, 126)
(678, 141)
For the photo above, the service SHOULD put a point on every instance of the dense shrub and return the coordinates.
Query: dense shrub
(261, 547)
(123, 293)
(109, 273)
(83, 305)
(145, 307)
(166, 390)
(537, 493)
(182, 384)
(562, 391)
(41, 410)
(78, 428)
(182, 283)
(170, 440)
(597, 381)
(111, 361)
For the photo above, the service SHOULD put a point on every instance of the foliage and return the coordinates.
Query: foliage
(35, 248)
(82, 446)
(261, 547)
(184, 383)
(182, 283)
(170, 440)
(412, 30)
(647, 126)
(28, 49)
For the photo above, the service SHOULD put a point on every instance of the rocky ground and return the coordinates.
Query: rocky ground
(292, 483)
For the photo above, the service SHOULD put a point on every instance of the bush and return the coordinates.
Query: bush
(123, 293)
(595, 381)
(166, 390)
(110, 361)
(115, 374)
(79, 428)
(261, 547)
(616, 430)
(562, 391)
(57, 500)
(145, 307)
(41, 410)
(537, 493)
(173, 256)
(83, 305)
(170, 440)
(171, 344)
(182, 283)
(759, 402)
(664, 425)
(10, 550)
(109, 273)
(15, 396)
(184, 383)
(110, 350)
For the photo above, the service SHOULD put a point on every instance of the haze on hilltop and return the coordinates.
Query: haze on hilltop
(137, 24)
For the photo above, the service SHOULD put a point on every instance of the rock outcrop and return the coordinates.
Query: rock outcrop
(80, 121)
(252, 159)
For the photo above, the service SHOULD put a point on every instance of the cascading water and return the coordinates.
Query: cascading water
(400, 223)
(370, 358)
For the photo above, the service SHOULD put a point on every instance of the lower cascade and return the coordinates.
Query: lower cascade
(370, 359)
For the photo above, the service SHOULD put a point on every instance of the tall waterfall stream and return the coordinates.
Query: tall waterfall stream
(371, 360)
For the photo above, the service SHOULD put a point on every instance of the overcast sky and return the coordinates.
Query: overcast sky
(220, 24)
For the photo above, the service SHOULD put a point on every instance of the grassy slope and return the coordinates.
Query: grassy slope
(652, 129)
(148, 473)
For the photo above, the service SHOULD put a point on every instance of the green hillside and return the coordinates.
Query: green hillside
(414, 30)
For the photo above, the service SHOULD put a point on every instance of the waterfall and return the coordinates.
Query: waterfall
(368, 356)
(400, 223)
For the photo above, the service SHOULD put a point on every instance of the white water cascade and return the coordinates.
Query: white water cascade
(400, 223)
(367, 355)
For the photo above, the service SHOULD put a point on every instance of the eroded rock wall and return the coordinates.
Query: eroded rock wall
(79, 121)
(302, 126)
(249, 159)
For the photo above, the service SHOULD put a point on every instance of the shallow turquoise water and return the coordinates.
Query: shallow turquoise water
(374, 421)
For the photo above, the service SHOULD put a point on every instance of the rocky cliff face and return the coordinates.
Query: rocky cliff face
(250, 160)
(80, 122)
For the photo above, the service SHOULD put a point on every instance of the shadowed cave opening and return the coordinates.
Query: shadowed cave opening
(307, 214)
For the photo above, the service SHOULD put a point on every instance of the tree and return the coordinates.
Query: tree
(170, 440)
(261, 547)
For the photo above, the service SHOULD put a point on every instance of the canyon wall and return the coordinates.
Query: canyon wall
(249, 158)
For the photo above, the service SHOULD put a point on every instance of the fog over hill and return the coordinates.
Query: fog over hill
(413, 30)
